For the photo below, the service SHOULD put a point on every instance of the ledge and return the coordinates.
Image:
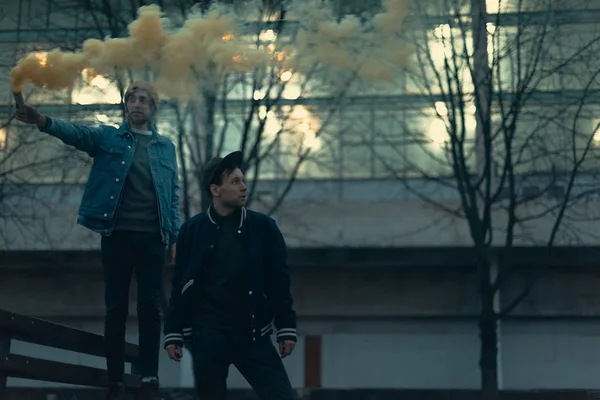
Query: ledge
(341, 257)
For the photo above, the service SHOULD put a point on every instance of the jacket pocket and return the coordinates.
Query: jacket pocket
(112, 148)
(111, 157)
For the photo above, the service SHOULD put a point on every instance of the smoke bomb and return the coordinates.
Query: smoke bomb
(20, 102)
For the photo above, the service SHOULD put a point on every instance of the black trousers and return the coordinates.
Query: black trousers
(259, 362)
(123, 254)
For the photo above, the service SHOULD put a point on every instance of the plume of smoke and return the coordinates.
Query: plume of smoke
(374, 49)
(179, 58)
(209, 45)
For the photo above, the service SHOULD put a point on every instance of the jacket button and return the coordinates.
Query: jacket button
(112, 197)
(211, 246)
(123, 162)
(117, 180)
(105, 215)
(250, 292)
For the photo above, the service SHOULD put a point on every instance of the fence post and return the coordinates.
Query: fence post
(135, 370)
(4, 351)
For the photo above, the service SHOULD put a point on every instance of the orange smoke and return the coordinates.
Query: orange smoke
(374, 49)
(179, 58)
(209, 44)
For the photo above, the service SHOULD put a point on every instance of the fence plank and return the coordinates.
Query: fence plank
(59, 336)
(18, 366)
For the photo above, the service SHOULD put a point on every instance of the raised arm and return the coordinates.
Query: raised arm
(81, 137)
(84, 138)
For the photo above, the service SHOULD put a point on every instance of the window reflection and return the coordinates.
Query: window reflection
(292, 141)
(545, 138)
(3, 138)
(357, 161)
(34, 158)
(95, 88)
(366, 142)
(493, 6)
(308, 144)
(429, 136)
(383, 144)
(511, 6)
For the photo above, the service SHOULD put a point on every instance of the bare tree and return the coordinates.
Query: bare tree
(30, 166)
(254, 111)
(506, 122)
(34, 173)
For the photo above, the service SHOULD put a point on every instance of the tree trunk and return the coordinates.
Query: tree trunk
(183, 162)
(488, 333)
(210, 100)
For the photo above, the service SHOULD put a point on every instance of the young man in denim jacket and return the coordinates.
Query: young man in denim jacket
(231, 287)
(131, 199)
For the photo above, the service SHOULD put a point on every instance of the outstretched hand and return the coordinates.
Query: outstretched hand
(30, 115)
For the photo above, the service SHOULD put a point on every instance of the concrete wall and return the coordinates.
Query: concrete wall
(335, 293)
(534, 355)
(551, 355)
(351, 213)
(172, 374)
(408, 355)
(387, 328)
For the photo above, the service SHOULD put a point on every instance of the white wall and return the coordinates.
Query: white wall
(401, 360)
(419, 356)
(534, 355)
(551, 355)
(171, 374)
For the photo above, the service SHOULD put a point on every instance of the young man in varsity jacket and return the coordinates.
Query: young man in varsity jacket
(230, 289)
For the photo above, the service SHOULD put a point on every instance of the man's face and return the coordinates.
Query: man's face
(232, 192)
(139, 107)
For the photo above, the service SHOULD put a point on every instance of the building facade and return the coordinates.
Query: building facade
(384, 273)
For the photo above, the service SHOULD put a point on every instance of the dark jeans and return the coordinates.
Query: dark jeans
(259, 362)
(124, 253)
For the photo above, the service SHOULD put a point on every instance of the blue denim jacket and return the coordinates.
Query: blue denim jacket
(112, 150)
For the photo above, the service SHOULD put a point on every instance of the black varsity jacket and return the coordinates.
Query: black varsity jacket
(268, 289)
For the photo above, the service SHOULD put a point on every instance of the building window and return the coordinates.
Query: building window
(3, 138)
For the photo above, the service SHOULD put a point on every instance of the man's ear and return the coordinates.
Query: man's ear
(214, 189)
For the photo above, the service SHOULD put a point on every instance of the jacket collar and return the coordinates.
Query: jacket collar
(125, 129)
(242, 216)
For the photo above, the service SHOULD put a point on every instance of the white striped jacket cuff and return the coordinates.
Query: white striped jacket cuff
(286, 334)
(173, 338)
